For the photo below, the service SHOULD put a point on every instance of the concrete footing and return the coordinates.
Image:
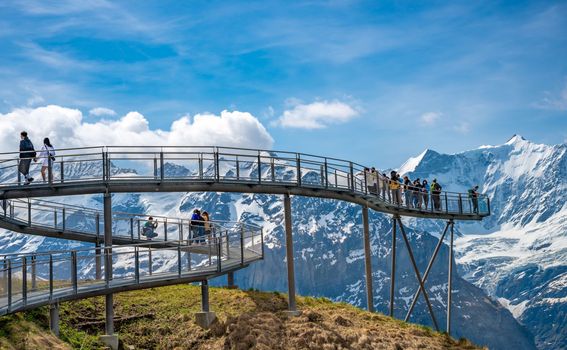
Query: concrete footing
(205, 318)
(292, 313)
(110, 340)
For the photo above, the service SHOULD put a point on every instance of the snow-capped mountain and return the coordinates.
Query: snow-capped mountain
(519, 254)
(329, 251)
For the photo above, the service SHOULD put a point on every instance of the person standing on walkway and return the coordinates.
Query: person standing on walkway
(425, 192)
(395, 188)
(385, 183)
(416, 194)
(407, 191)
(208, 227)
(197, 225)
(473, 195)
(149, 228)
(27, 153)
(436, 195)
(46, 155)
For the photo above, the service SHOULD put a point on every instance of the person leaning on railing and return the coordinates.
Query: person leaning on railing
(197, 226)
(395, 188)
(473, 195)
(149, 228)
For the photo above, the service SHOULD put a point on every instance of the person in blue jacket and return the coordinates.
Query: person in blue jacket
(197, 225)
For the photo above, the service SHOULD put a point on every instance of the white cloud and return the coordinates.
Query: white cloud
(317, 115)
(102, 111)
(430, 118)
(34, 100)
(67, 128)
(462, 127)
(554, 102)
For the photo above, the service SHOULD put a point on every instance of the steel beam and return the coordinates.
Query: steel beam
(427, 270)
(289, 254)
(417, 274)
(367, 260)
(109, 310)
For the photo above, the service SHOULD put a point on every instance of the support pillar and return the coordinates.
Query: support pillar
(205, 318)
(393, 272)
(289, 257)
(34, 273)
(450, 282)
(109, 339)
(367, 260)
(54, 319)
(230, 281)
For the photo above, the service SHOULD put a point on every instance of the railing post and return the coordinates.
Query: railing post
(488, 204)
(62, 171)
(179, 259)
(98, 265)
(150, 270)
(132, 229)
(18, 172)
(49, 170)
(217, 165)
(161, 169)
(446, 203)
(165, 229)
(201, 166)
(259, 168)
(219, 254)
(241, 244)
(63, 219)
(74, 281)
(155, 167)
(139, 229)
(24, 280)
(262, 241)
(55, 219)
(237, 169)
(460, 204)
(273, 167)
(180, 231)
(34, 272)
(351, 169)
(9, 268)
(298, 169)
(137, 264)
(97, 227)
(29, 213)
(104, 155)
(326, 174)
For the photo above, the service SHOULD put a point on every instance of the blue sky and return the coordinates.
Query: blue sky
(373, 81)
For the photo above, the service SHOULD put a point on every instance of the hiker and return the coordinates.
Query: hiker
(208, 226)
(27, 153)
(385, 182)
(473, 195)
(375, 183)
(408, 189)
(149, 228)
(197, 225)
(436, 195)
(368, 179)
(46, 155)
(395, 188)
(425, 192)
(416, 194)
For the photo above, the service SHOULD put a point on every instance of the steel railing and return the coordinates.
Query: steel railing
(229, 164)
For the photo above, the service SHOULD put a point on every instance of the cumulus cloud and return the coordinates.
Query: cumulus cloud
(102, 112)
(430, 118)
(316, 115)
(67, 128)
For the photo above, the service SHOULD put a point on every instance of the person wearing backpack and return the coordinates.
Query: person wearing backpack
(27, 153)
(149, 228)
(436, 195)
(473, 195)
(197, 226)
(46, 155)
(395, 188)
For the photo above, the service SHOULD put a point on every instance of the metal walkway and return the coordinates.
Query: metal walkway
(222, 169)
(107, 170)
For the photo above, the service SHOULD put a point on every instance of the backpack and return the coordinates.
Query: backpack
(28, 146)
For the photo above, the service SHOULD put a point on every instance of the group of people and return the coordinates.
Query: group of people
(200, 227)
(28, 153)
(414, 194)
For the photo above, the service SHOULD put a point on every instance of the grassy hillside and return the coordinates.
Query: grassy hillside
(163, 318)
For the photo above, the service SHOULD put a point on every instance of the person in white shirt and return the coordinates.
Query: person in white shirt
(46, 154)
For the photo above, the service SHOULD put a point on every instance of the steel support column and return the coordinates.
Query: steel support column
(98, 263)
(205, 296)
(230, 279)
(109, 327)
(450, 282)
(393, 272)
(367, 260)
(54, 318)
(289, 254)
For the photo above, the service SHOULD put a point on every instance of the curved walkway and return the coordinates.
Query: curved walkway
(76, 274)
(221, 169)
